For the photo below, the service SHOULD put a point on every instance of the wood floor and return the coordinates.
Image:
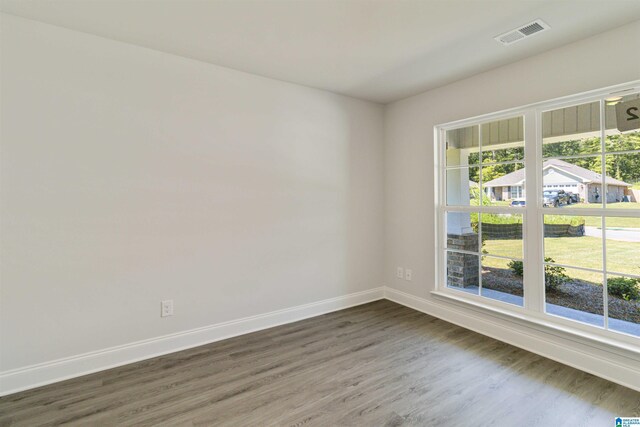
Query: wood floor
(379, 364)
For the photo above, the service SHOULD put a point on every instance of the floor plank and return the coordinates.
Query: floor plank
(372, 365)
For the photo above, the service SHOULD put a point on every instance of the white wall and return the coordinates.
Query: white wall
(606, 59)
(130, 176)
(603, 60)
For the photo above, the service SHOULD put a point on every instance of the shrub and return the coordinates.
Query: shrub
(563, 219)
(517, 267)
(624, 287)
(554, 276)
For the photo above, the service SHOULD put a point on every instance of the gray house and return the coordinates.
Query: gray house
(559, 175)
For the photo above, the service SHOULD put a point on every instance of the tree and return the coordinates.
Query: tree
(624, 167)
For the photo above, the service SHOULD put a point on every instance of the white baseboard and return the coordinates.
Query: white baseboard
(593, 360)
(58, 370)
(607, 365)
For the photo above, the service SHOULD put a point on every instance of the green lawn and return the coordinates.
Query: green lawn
(619, 205)
(583, 251)
(577, 251)
(622, 222)
(615, 222)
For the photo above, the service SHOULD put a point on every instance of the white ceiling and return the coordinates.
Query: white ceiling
(379, 50)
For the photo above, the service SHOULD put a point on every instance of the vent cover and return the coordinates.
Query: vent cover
(523, 32)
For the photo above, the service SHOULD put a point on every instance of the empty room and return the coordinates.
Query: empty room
(320, 212)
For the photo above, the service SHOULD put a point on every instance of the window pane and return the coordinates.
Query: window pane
(623, 173)
(615, 139)
(504, 184)
(461, 189)
(462, 231)
(573, 240)
(463, 271)
(502, 234)
(503, 140)
(572, 182)
(624, 304)
(623, 244)
(571, 131)
(502, 280)
(463, 146)
(574, 294)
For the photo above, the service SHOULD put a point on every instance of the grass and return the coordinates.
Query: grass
(619, 205)
(593, 221)
(516, 218)
(612, 222)
(590, 221)
(497, 218)
(564, 219)
(621, 222)
(584, 252)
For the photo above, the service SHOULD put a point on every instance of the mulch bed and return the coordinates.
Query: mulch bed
(576, 294)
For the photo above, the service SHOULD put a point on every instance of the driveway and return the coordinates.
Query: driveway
(621, 234)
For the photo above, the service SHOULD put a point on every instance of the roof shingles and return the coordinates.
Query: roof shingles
(516, 177)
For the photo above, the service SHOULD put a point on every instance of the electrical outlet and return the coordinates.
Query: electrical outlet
(408, 274)
(400, 273)
(166, 308)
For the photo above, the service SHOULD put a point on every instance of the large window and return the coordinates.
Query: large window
(539, 211)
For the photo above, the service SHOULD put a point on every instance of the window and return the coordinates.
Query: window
(539, 212)
(516, 192)
(481, 157)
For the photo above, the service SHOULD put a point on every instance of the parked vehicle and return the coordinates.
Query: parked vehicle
(517, 203)
(574, 198)
(556, 198)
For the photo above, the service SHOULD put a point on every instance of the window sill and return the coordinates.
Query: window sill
(543, 325)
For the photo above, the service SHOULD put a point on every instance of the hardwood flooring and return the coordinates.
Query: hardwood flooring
(379, 364)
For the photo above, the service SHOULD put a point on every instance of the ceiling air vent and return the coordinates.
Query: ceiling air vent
(523, 32)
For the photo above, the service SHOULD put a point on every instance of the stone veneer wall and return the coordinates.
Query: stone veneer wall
(462, 269)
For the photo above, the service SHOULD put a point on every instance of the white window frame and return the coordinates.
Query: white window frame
(533, 253)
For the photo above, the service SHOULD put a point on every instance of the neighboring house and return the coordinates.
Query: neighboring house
(559, 175)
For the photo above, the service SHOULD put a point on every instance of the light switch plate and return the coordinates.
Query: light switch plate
(408, 274)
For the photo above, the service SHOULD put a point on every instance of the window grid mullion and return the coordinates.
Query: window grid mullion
(481, 198)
